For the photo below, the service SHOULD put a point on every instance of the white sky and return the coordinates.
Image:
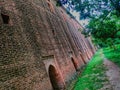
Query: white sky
(77, 16)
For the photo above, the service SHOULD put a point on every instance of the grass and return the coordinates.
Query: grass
(93, 76)
(113, 55)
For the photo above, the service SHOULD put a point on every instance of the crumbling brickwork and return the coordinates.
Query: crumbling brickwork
(39, 49)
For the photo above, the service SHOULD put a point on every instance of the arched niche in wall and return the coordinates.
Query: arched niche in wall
(74, 63)
(55, 78)
(82, 57)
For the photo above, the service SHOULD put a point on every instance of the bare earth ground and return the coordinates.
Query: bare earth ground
(113, 74)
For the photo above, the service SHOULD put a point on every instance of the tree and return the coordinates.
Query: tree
(104, 16)
(105, 32)
(92, 8)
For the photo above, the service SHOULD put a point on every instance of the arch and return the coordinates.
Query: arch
(74, 63)
(87, 54)
(55, 78)
(83, 59)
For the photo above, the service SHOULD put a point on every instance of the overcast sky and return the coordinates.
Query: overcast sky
(77, 15)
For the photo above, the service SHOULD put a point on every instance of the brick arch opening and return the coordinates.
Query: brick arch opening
(74, 63)
(55, 78)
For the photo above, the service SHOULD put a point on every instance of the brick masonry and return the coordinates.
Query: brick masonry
(40, 47)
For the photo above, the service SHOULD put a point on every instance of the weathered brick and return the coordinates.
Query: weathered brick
(36, 39)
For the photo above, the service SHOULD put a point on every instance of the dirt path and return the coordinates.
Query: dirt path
(113, 73)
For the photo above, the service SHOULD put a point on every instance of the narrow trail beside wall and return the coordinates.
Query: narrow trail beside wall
(109, 80)
(113, 74)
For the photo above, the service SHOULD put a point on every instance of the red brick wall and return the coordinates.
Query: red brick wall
(35, 39)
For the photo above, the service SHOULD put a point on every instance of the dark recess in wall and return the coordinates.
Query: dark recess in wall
(5, 18)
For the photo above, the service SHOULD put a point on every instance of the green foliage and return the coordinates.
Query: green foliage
(113, 55)
(92, 8)
(58, 3)
(93, 77)
(105, 32)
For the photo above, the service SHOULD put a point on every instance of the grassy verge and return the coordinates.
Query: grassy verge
(113, 55)
(93, 77)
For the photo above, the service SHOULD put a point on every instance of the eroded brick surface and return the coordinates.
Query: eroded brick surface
(35, 38)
